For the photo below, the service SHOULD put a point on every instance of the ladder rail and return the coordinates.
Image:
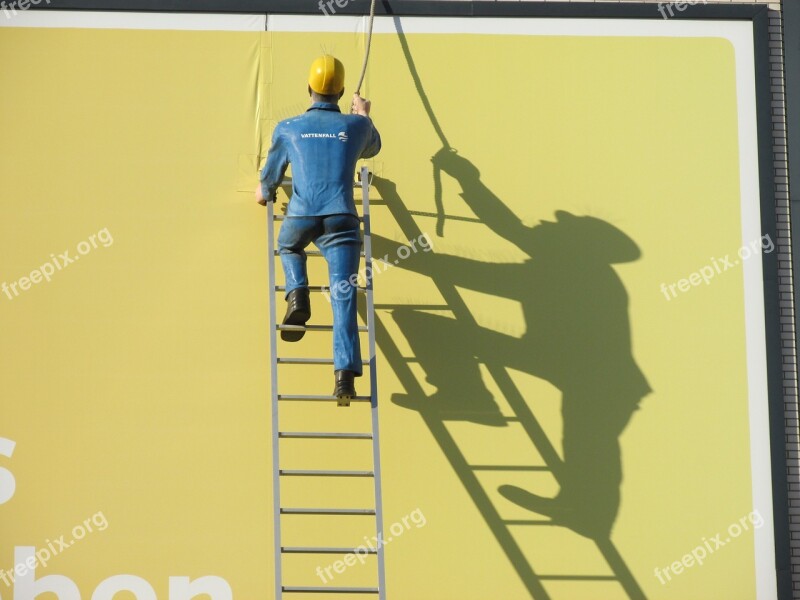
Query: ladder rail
(373, 377)
(273, 349)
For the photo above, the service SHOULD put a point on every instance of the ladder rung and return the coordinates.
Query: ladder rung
(310, 550)
(282, 217)
(313, 328)
(327, 511)
(316, 288)
(311, 398)
(323, 435)
(312, 253)
(320, 473)
(310, 361)
(330, 590)
(577, 577)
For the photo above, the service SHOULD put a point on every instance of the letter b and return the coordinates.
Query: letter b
(124, 583)
(8, 485)
(28, 588)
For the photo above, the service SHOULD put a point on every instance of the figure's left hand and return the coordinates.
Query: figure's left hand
(260, 196)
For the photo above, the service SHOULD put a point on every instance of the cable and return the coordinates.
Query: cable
(369, 47)
(366, 58)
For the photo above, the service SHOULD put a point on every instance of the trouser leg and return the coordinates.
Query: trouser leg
(341, 247)
(296, 233)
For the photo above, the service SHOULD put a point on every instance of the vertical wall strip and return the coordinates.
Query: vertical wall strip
(783, 245)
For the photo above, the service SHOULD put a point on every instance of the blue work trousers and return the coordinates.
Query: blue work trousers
(338, 238)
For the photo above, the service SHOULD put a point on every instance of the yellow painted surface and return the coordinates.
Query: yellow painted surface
(136, 381)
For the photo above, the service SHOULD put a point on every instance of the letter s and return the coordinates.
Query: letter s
(8, 485)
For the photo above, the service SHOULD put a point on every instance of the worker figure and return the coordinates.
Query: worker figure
(323, 146)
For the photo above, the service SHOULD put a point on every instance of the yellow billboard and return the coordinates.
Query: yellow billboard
(570, 316)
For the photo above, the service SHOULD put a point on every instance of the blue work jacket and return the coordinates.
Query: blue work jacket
(323, 147)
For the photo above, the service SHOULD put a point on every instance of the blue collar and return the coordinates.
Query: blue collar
(325, 106)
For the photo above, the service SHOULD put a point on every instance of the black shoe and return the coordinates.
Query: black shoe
(298, 312)
(345, 389)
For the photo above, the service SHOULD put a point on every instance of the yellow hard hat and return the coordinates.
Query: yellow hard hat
(327, 75)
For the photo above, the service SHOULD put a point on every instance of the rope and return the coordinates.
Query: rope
(369, 47)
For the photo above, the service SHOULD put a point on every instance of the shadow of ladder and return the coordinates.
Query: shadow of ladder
(467, 473)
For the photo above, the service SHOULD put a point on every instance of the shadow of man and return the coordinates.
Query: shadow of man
(577, 338)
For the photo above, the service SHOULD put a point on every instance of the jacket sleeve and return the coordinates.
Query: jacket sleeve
(275, 167)
(373, 140)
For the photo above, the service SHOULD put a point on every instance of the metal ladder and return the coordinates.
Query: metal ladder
(277, 434)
